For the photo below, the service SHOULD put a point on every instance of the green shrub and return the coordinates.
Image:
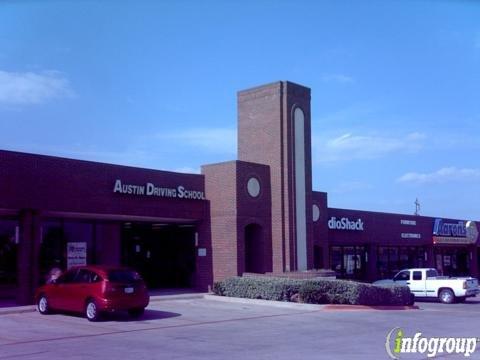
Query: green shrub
(350, 292)
(266, 288)
(317, 291)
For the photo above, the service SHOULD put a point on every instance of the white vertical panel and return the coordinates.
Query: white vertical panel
(300, 192)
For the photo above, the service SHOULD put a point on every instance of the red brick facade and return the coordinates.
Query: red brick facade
(244, 217)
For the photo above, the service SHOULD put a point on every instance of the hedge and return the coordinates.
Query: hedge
(318, 291)
(266, 288)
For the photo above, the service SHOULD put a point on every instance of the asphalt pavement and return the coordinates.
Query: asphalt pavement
(202, 328)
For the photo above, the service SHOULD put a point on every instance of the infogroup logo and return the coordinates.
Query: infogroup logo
(397, 343)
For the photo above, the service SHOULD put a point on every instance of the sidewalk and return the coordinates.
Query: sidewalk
(8, 307)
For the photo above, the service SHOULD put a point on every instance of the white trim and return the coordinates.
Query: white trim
(300, 191)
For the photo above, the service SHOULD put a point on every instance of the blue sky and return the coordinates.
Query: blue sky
(395, 88)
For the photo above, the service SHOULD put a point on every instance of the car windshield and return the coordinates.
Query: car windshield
(123, 276)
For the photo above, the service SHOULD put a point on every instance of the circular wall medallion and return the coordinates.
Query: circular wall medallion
(315, 212)
(253, 187)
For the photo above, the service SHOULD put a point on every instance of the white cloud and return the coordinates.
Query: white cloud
(187, 170)
(350, 147)
(446, 174)
(217, 140)
(33, 88)
(337, 78)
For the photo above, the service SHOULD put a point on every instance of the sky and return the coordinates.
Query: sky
(395, 89)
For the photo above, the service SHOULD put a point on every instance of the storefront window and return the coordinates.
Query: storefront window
(348, 261)
(392, 259)
(9, 233)
(336, 260)
(66, 243)
(452, 261)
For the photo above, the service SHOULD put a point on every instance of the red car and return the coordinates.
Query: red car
(94, 290)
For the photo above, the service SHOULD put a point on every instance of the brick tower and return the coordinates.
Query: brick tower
(274, 129)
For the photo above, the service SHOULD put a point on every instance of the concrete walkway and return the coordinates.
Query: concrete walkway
(9, 307)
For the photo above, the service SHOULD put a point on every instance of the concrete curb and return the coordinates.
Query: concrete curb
(311, 307)
(17, 309)
(155, 298)
(280, 304)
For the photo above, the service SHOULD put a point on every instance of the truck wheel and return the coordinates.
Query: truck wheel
(446, 296)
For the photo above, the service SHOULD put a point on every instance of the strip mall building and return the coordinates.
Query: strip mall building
(256, 214)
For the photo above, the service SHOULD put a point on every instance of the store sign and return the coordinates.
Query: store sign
(345, 224)
(150, 189)
(411, 236)
(441, 228)
(76, 254)
(460, 232)
(408, 222)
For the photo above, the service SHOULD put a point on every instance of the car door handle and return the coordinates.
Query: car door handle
(408, 283)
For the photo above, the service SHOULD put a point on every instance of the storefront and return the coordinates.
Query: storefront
(58, 213)
(367, 246)
(455, 246)
(257, 214)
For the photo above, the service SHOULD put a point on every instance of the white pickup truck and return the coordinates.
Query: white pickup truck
(425, 282)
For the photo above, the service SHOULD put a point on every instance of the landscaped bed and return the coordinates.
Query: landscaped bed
(316, 291)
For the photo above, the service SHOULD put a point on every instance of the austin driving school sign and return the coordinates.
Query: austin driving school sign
(150, 189)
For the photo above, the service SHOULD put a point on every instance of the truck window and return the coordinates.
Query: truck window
(417, 275)
(432, 273)
(403, 275)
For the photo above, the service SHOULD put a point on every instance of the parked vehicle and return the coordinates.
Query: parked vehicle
(426, 282)
(94, 290)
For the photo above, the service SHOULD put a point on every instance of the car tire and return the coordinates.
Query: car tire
(137, 312)
(91, 311)
(446, 296)
(42, 305)
(411, 302)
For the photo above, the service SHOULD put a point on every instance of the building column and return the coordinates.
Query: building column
(372, 273)
(24, 259)
(473, 258)
(430, 262)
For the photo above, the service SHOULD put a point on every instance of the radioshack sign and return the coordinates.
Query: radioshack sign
(345, 224)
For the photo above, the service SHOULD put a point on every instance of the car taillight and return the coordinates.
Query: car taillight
(464, 284)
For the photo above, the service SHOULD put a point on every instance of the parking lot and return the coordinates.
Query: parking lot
(207, 329)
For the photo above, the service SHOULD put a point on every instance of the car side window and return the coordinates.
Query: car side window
(417, 275)
(404, 275)
(87, 276)
(83, 276)
(68, 277)
(94, 277)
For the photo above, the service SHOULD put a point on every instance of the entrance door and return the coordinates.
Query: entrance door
(9, 231)
(254, 249)
(163, 254)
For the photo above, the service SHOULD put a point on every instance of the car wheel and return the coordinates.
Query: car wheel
(91, 311)
(446, 296)
(42, 305)
(137, 312)
(411, 302)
